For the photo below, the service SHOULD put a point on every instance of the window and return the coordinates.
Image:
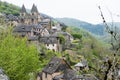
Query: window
(47, 44)
(32, 20)
(32, 13)
(53, 44)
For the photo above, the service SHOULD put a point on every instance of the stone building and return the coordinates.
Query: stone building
(29, 18)
(51, 42)
(55, 67)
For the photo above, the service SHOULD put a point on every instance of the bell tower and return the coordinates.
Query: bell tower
(23, 11)
(35, 15)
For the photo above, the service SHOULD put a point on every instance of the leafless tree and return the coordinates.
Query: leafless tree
(115, 43)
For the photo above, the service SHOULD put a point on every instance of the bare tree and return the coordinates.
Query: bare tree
(115, 43)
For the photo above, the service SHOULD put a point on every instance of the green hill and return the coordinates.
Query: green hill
(8, 8)
(97, 29)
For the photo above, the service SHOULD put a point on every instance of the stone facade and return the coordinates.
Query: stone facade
(54, 68)
(29, 18)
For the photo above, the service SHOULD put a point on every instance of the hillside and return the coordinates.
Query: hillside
(22, 60)
(97, 29)
(9, 8)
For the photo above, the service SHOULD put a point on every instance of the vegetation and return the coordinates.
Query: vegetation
(9, 8)
(22, 61)
(16, 58)
(89, 48)
(95, 29)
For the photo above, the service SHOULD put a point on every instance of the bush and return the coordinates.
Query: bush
(18, 59)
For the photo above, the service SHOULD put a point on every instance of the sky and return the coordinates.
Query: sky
(84, 10)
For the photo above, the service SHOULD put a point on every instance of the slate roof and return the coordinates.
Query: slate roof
(89, 77)
(54, 65)
(26, 28)
(34, 9)
(23, 28)
(48, 39)
(11, 17)
(69, 74)
(23, 9)
(28, 16)
(38, 26)
(32, 38)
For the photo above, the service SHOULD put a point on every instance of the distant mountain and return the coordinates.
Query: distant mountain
(95, 29)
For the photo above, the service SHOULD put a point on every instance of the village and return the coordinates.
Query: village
(41, 30)
(48, 34)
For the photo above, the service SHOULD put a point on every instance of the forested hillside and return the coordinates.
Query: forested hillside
(95, 29)
(9, 8)
(22, 59)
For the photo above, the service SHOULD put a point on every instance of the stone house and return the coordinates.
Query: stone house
(31, 24)
(57, 28)
(55, 67)
(51, 42)
(68, 36)
(46, 23)
(30, 30)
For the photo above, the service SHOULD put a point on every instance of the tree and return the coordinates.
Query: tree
(77, 35)
(17, 58)
(112, 62)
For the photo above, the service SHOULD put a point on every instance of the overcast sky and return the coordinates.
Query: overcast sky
(85, 10)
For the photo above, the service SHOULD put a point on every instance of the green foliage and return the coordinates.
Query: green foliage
(16, 58)
(9, 8)
(44, 60)
(62, 39)
(90, 48)
(95, 29)
(77, 36)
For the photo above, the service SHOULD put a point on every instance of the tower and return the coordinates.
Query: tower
(23, 11)
(35, 15)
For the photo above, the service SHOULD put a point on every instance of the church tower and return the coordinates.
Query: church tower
(23, 11)
(35, 15)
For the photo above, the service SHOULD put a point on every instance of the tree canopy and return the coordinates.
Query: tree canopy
(17, 58)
